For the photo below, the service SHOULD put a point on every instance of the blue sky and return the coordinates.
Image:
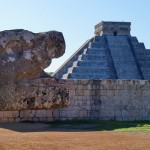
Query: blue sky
(75, 18)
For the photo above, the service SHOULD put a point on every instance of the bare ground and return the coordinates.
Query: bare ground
(34, 136)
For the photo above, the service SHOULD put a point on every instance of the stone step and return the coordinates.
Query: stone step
(93, 63)
(134, 39)
(144, 63)
(146, 70)
(88, 76)
(141, 52)
(102, 53)
(144, 58)
(97, 51)
(93, 51)
(141, 45)
(98, 39)
(124, 62)
(85, 51)
(138, 51)
(75, 63)
(94, 45)
(65, 76)
(122, 55)
(126, 57)
(138, 45)
(118, 46)
(101, 40)
(80, 57)
(94, 57)
(102, 70)
(117, 41)
(147, 77)
(143, 55)
(70, 70)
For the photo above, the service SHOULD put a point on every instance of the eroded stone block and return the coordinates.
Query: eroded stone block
(23, 83)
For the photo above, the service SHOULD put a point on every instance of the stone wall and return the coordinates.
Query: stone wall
(64, 67)
(95, 99)
(108, 28)
(41, 93)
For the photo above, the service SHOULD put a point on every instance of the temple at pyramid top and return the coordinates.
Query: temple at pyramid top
(112, 28)
(111, 54)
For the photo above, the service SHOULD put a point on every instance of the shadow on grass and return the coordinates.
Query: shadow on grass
(78, 126)
(97, 125)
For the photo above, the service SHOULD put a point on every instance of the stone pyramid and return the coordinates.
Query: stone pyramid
(111, 54)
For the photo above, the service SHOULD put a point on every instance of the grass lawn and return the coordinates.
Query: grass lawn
(96, 125)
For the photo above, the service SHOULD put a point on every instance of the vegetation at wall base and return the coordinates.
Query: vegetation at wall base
(98, 125)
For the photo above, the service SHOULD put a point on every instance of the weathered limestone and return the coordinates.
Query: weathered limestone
(23, 56)
(111, 54)
(42, 93)
(95, 99)
(112, 28)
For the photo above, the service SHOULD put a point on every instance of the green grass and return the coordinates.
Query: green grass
(96, 125)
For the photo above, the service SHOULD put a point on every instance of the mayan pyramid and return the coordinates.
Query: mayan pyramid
(111, 54)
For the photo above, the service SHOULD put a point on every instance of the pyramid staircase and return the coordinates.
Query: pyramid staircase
(108, 56)
(93, 63)
(143, 57)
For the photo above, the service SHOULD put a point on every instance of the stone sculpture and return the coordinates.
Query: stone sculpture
(23, 83)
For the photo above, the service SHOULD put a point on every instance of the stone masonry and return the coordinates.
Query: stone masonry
(25, 55)
(23, 83)
(111, 54)
(42, 93)
(95, 99)
(108, 77)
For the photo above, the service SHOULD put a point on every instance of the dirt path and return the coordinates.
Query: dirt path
(33, 136)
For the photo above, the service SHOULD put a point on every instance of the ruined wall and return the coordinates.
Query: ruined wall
(95, 99)
(42, 93)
